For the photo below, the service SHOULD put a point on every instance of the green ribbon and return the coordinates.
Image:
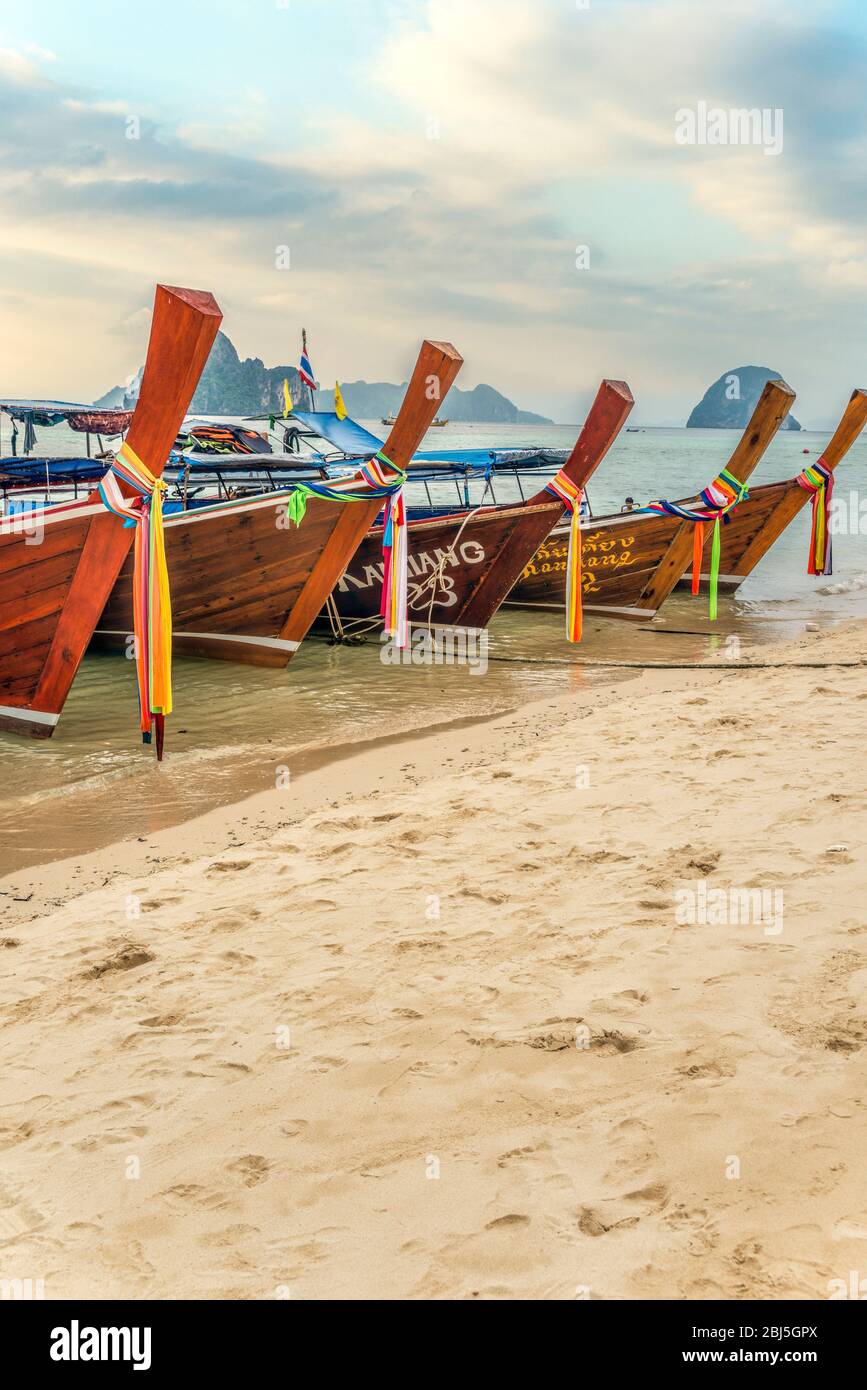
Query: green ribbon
(297, 504)
(714, 571)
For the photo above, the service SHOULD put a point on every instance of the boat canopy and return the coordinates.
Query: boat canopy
(85, 419)
(38, 472)
(353, 439)
(89, 419)
(346, 435)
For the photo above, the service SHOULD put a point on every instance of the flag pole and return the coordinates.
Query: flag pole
(312, 393)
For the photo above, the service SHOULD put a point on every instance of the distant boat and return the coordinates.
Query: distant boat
(390, 420)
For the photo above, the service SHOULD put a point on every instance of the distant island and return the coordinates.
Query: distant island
(729, 403)
(230, 386)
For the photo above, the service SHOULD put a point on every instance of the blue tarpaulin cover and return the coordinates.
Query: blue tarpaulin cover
(352, 438)
(33, 471)
(346, 435)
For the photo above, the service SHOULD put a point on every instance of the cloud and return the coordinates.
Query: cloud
(502, 135)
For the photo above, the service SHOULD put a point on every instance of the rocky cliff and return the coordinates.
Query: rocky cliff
(729, 403)
(230, 386)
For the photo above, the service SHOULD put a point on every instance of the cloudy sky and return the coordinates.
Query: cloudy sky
(433, 166)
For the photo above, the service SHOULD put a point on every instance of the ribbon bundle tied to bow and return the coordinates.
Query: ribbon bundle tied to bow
(570, 494)
(152, 606)
(818, 479)
(376, 477)
(395, 576)
(724, 494)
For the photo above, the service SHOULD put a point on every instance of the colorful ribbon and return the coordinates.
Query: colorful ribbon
(724, 494)
(570, 494)
(395, 578)
(152, 605)
(381, 478)
(819, 480)
(378, 481)
(697, 552)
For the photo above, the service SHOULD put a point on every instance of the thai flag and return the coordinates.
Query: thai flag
(305, 371)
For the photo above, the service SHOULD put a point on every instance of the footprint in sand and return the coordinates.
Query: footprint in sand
(716, 1069)
(617, 1213)
(511, 1219)
(128, 957)
(320, 1065)
(519, 1155)
(251, 1169)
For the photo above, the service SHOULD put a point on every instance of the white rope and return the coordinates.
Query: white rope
(436, 576)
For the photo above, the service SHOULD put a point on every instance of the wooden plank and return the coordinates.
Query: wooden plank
(464, 555)
(18, 556)
(48, 574)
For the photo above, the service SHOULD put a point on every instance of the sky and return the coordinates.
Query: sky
(433, 167)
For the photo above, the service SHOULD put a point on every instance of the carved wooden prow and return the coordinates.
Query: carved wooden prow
(771, 410)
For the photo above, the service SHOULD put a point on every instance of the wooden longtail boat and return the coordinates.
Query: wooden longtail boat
(58, 567)
(758, 523)
(247, 585)
(632, 561)
(463, 563)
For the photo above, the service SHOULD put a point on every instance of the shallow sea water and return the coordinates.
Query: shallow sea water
(234, 726)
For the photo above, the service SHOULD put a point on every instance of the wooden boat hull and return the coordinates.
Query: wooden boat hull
(631, 562)
(238, 573)
(619, 556)
(453, 565)
(773, 506)
(58, 568)
(246, 583)
(747, 524)
(463, 564)
(619, 559)
(247, 588)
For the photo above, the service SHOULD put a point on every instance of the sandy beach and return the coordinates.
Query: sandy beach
(466, 1015)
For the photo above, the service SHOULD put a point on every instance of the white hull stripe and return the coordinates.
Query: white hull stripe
(279, 644)
(721, 578)
(35, 716)
(221, 509)
(624, 612)
(437, 626)
(22, 522)
(587, 607)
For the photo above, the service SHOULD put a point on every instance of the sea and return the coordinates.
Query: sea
(236, 730)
